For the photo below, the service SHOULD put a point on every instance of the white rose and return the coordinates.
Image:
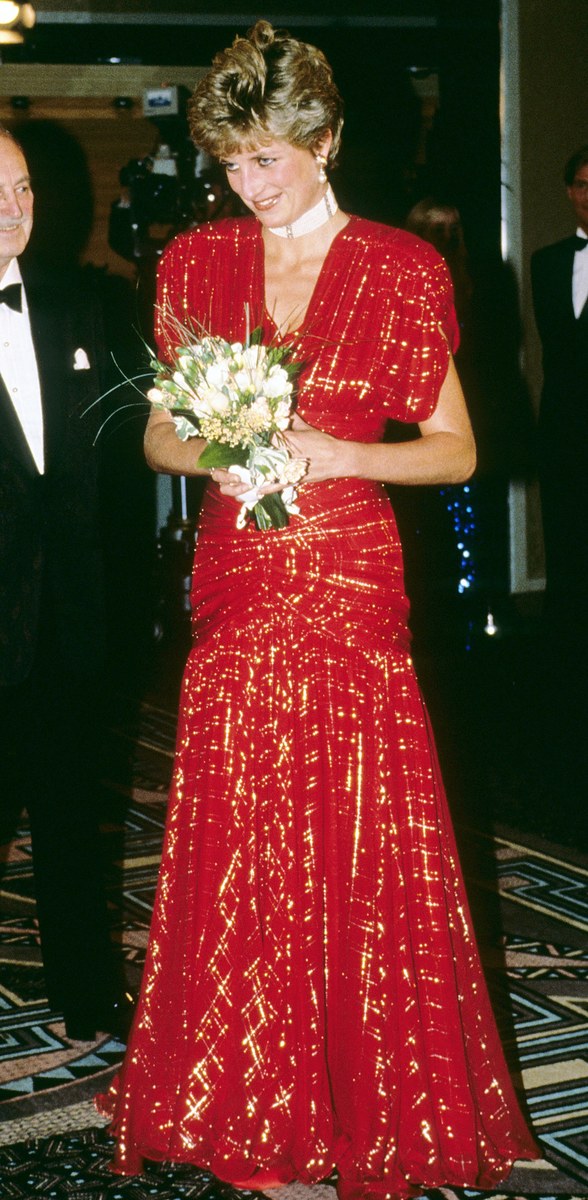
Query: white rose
(210, 402)
(254, 356)
(219, 402)
(242, 381)
(277, 384)
(216, 375)
(282, 415)
(294, 470)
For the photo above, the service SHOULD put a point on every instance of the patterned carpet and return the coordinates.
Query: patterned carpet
(530, 901)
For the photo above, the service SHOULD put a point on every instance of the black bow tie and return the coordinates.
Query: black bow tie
(579, 242)
(12, 296)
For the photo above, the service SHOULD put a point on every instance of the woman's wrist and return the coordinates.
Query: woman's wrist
(354, 460)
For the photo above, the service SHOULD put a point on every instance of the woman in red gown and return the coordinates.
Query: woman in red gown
(312, 1000)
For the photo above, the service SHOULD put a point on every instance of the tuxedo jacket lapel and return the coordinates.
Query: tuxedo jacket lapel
(59, 325)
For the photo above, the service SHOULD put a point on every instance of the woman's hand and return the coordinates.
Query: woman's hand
(325, 455)
(321, 452)
(231, 485)
(444, 453)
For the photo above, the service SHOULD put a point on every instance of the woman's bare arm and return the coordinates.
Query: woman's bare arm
(445, 452)
(165, 452)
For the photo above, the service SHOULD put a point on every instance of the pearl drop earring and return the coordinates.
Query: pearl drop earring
(321, 163)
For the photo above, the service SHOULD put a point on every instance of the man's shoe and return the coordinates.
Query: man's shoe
(80, 1029)
(114, 1018)
(117, 1017)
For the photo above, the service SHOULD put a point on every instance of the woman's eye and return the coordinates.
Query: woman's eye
(265, 162)
(229, 166)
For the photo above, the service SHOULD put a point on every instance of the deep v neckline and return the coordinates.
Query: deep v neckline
(300, 328)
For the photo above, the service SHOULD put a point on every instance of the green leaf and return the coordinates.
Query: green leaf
(262, 519)
(218, 454)
(292, 369)
(270, 512)
(186, 415)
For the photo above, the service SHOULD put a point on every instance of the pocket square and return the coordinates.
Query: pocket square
(81, 362)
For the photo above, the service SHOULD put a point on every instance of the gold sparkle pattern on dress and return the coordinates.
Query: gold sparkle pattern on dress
(313, 998)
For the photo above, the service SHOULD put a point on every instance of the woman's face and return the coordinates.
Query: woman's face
(278, 182)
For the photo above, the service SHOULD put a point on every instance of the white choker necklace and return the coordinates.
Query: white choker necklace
(313, 219)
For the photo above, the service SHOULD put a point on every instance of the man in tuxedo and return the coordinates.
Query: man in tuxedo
(51, 604)
(559, 275)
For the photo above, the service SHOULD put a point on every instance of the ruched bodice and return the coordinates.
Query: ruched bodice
(337, 568)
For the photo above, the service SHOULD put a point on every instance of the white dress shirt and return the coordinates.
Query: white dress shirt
(580, 276)
(18, 367)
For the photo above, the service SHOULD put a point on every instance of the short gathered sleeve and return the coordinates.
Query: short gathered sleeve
(418, 328)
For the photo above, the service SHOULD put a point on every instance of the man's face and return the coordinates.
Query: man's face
(578, 195)
(16, 203)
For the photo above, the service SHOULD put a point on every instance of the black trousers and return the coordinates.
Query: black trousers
(49, 763)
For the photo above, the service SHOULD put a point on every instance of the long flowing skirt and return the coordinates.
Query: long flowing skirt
(313, 999)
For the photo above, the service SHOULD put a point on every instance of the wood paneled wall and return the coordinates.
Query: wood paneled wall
(81, 101)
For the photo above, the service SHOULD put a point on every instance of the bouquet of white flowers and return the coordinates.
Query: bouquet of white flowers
(239, 397)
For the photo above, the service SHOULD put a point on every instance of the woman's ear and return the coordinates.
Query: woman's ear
(324, 144)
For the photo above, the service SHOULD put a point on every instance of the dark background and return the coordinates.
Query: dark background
(481, 690)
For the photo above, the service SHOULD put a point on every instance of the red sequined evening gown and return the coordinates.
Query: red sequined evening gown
(312, 998)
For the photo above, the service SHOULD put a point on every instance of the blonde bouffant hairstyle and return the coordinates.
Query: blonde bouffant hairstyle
(266, 86)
